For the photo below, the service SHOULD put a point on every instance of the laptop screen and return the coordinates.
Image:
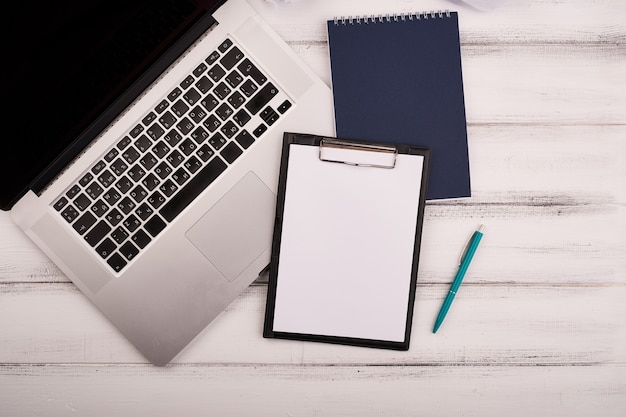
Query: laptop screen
(65, 62)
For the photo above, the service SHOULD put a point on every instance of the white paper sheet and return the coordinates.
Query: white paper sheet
(347, 244)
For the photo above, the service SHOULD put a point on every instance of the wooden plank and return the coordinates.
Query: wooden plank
(235, 390)
(488, 324)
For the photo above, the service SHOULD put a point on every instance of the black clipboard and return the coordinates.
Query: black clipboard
(346, 242)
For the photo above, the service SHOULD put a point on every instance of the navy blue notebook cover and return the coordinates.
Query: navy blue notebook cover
(398, 79)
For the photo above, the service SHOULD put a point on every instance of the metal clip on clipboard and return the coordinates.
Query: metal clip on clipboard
(358, 154)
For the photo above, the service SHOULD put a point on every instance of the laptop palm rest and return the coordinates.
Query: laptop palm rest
(238, 228)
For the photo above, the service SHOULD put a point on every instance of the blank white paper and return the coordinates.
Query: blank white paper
(346, 249)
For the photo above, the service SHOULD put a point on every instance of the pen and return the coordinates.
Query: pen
(466, 258)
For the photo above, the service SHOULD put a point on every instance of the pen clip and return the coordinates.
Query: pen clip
(467, 245)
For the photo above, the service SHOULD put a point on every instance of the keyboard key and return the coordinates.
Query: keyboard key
(192, 96)
(245, 139)
(174, 94)
(216, 73)
(229, 129)
(193, 164)
(156, 200)
(150, 117)
(236, 99)
(217, 141)
(212, 58)
(111, 197)
(160, 149)
(136, 173)
(99, 208)
(259, 130)
(167, 119)
(231, 58)
(261, 98)
(111, 155)
(141, 239)
(96, 234)
(61, 202)
(155, 225)
(114, 217)
(126, 205)
(106, 248)
(84, 222)
(143, 143)
(284, 106)
(86, 179)
(155, 131)
(187, 82)
(187, 146)
(138, 193)
(116, 262)
(222, 90)
(119, 166)
(173, 137)
(212, 123)
(148, 161)
(119, 235)
(200, 135)
(151, 181)
(249, 88)
(106, 178)
(130, 155)
(241, 117)
(180, 108)
(204, 84)
(94, 190)
(129, 251)
(168, 188)
(72, 192)
(162, 106)
(99, 166)
(163, 170)
(131, 223)
(224, 111)
(231, 152)
(175, 158)
(180, 176)
(185, 126)
(225, 45)
(124, 185)
(200, 69)
(197, 114)
(70, 214)
(190, 191)
(122, 144)
(205, 152)
(247, 68)
(144, 211)
(234, 79)
(136, 131)
(82, 202)
(269, 116)
(209, 102)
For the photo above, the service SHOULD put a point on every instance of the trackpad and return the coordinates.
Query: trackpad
(238, 228)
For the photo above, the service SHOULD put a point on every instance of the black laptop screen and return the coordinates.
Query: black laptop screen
(65, 62)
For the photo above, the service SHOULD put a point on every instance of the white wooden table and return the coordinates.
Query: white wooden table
(539, 326)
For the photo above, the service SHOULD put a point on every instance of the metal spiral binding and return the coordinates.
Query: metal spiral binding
(387, 18)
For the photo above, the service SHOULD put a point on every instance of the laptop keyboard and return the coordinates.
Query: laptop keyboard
(172, 154)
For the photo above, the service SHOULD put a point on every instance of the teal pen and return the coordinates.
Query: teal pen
(466, 258)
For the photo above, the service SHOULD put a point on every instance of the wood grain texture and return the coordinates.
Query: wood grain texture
(539, 326)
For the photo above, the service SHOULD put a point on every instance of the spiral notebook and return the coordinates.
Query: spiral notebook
(398, 78)
(346, 242)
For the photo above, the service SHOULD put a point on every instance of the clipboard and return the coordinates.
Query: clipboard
(346, 242)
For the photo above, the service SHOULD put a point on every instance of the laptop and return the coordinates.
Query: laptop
(144, 152)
